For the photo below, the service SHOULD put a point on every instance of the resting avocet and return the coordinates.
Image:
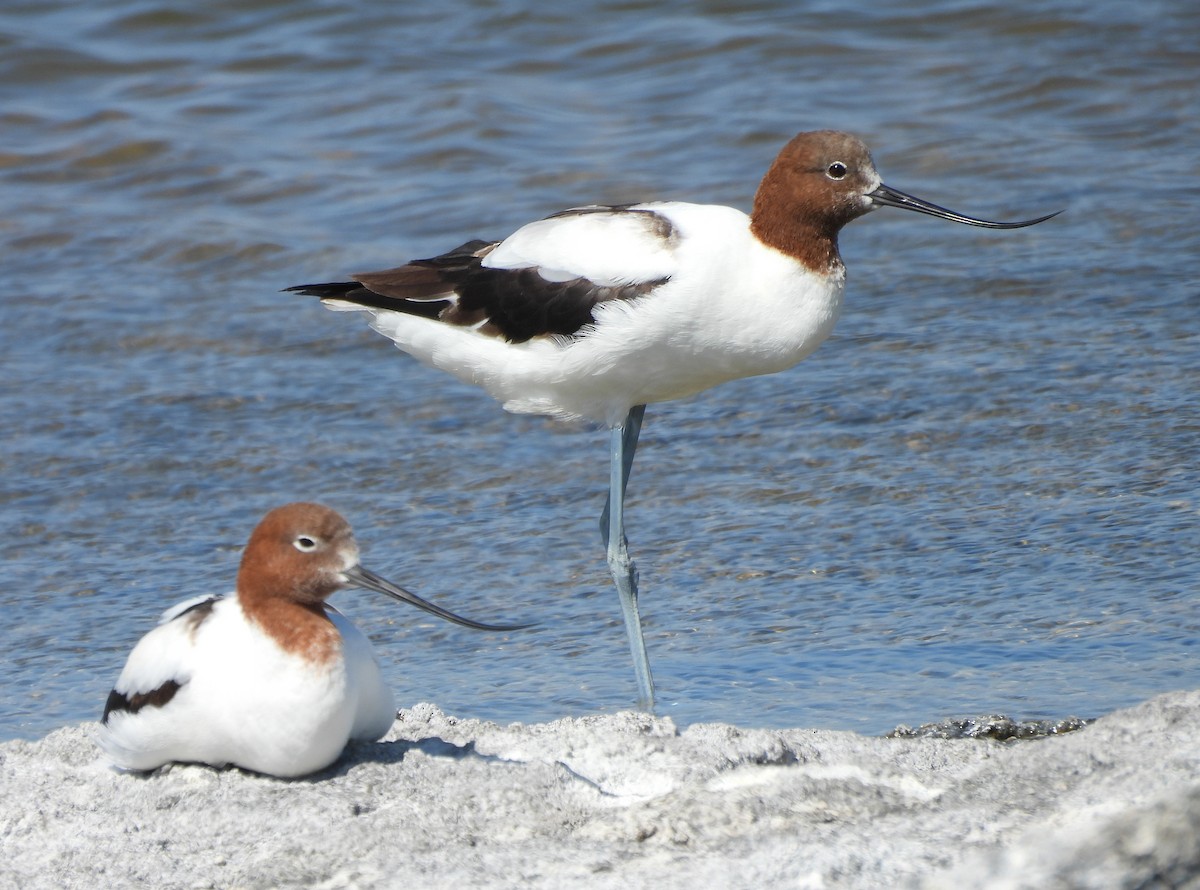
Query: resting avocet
(272, 678)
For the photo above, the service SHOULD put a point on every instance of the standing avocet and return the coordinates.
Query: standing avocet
(598, 311)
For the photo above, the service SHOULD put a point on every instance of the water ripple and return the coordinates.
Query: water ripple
(978, 496)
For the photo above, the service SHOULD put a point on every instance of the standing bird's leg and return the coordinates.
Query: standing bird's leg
(623, 445)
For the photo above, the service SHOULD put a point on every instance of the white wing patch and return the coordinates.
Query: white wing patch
(166, 652)
(610, 247)
(179, 608)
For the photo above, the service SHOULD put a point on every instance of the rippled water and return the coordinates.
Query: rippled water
(979, 496)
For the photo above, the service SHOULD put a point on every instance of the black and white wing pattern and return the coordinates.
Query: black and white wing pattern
(543, 280)
(160, 664)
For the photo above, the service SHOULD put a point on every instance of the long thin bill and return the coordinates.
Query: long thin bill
(885, 196)
(357, 576)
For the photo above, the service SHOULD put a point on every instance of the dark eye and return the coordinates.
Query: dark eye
(305, 544)
(836, 170)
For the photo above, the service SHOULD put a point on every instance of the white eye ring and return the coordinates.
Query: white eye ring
(836, 170)
(305, 544)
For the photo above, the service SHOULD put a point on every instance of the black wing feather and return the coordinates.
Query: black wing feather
(455, 287)
(155, 698)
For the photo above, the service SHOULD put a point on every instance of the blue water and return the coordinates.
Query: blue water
(981, 495)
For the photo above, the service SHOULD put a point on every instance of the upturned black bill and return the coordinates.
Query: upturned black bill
(885, 196)
(360, 577)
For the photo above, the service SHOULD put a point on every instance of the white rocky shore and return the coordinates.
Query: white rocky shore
(628, 801)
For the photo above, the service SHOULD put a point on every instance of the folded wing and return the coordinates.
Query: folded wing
(543, 280)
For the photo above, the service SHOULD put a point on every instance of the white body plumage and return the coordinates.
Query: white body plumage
(728, 306)
(242, 698)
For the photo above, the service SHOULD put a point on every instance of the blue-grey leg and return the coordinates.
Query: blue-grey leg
(623, 444)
